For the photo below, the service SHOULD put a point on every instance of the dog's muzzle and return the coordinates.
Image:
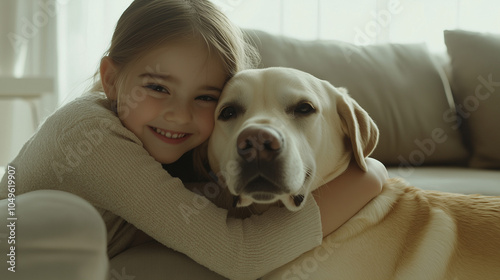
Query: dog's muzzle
(259, 149)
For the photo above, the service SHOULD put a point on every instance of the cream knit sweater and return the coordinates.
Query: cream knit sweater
(84, 149)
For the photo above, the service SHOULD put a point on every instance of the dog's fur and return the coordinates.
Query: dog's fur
(280, 133)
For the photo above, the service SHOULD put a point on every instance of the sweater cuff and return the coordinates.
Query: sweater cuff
(294, 233)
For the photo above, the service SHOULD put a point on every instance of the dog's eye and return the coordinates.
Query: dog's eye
(304, 108)
(227, 113)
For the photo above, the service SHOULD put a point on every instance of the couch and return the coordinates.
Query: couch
(438, 115)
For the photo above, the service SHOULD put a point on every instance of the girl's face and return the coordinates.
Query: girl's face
(169, 98)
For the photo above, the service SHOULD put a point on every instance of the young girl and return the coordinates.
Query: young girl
(160, 82)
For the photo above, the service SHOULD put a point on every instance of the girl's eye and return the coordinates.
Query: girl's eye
(207, 98)
(157, 88)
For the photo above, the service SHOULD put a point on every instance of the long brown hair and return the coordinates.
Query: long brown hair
(147, 24)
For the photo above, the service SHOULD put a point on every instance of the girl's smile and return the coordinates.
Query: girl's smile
(168, 97)
(170, 137)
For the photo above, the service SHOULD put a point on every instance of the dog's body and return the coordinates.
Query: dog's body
(281, 133)
(409, 234)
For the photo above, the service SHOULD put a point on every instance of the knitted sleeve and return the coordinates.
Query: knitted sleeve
(117, 174)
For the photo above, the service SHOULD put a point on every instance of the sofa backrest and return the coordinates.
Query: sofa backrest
(399, 85)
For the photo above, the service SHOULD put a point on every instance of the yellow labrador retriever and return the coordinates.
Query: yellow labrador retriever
(280, 133)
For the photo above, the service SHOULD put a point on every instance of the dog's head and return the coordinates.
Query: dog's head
(280, 133)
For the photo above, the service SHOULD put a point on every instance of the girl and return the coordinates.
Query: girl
(155, 101)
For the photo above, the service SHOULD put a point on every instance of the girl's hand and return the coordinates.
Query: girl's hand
(344, 196)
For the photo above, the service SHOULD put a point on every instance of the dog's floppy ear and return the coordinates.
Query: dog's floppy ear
(359, 126)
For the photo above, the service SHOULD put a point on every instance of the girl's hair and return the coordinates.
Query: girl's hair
(147, 24)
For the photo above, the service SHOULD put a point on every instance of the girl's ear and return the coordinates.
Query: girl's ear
(108, 77)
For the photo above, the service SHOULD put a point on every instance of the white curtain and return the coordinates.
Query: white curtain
(59, 39)
(84, 32)
(366, 21)
(63, 39)
(28, 49)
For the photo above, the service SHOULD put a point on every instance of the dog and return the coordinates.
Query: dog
(280, 133)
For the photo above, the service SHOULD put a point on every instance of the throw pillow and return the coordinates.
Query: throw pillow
(475, 60)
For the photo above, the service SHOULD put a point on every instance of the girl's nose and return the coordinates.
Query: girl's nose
(177, 111)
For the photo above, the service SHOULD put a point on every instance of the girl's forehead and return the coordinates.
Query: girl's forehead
(176, 51)
(183, 58)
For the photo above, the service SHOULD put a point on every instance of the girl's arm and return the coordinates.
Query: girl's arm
(118, 176)
(344, 196)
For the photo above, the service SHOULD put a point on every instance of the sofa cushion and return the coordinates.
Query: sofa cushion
(475, 60)
(399, 85)
(451, 179)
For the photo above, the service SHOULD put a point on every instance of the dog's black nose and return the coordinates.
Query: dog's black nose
(259, 143)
